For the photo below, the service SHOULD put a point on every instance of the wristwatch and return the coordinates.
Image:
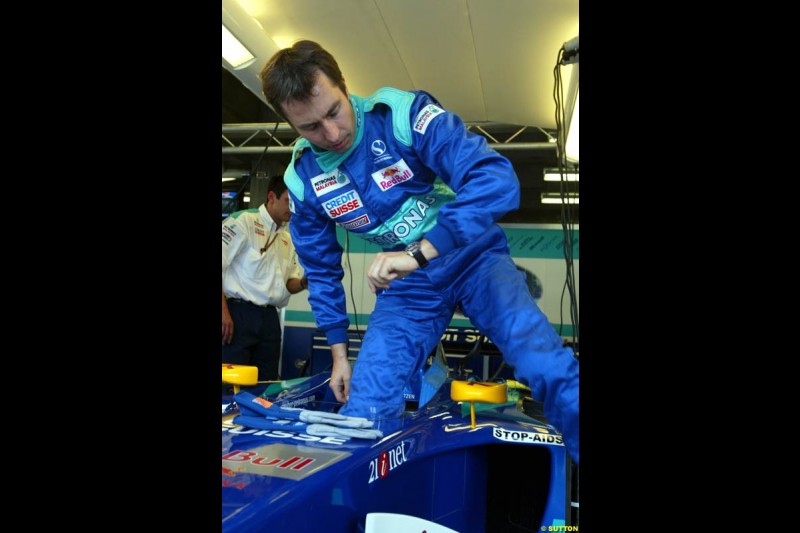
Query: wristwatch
(414, 251)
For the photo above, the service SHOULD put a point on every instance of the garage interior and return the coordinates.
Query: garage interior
(495, 63)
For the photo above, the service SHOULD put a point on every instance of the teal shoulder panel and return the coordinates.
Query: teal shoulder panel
(290, 177)
(400, 102)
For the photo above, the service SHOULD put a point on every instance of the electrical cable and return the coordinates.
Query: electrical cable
(352, 297)
(568, 227)
(352, 292)
(499, 369)
(567, 222)
(475, 350)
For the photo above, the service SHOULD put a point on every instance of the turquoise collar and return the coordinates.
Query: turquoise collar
(328, 160)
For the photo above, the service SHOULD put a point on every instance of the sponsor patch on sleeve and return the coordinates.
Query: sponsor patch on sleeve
(425, 116)
(228, 230)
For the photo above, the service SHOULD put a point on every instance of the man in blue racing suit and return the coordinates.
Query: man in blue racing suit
(402, 172)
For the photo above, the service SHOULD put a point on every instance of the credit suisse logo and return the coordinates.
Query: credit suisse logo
(343, 204)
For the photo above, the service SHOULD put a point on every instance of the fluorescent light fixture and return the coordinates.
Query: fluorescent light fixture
(555, 198)
(227, 179)
(247, 198)
(572, 133)
(571, 109)
(234, 52)
(552, 174)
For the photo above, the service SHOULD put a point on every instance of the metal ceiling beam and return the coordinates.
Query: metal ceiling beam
(249, 127)
(283, 127)
(256, 126)
(230, 150)
(500, 147)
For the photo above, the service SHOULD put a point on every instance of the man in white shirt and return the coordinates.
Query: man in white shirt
(259, 273)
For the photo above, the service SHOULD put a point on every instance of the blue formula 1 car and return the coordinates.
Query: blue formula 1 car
(474, 457)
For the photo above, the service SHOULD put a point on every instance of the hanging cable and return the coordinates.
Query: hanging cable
(566, 55)
(352, 293)
(352, 297)
(567, 191)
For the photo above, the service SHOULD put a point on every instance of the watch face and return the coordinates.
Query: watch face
(414, 251)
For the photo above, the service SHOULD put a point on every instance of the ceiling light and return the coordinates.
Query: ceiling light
(234, 52)
(552, 174)
(228, 179)
(247, 199)
(555, 198)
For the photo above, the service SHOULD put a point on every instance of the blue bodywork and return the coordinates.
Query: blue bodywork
(510, 471)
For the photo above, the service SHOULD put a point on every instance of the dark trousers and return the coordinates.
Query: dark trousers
(256, 338)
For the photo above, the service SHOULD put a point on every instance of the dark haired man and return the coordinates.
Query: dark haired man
(259, 273)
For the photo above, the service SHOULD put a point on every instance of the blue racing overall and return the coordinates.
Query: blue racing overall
(415, 171)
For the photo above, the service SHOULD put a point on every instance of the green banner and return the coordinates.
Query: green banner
(307, 319)
(523, 242)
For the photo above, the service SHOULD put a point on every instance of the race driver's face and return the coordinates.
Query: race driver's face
(326, 119)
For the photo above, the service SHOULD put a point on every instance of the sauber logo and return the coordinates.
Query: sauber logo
(425, 116)
(325, 183)
(387, 461)
(378, 147)
(343, 204)
(379, 150)
(388, 177)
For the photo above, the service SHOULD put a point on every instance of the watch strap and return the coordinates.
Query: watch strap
(414, 251)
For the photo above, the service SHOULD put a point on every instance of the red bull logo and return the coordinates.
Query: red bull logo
(388, 177)
(276, 460)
